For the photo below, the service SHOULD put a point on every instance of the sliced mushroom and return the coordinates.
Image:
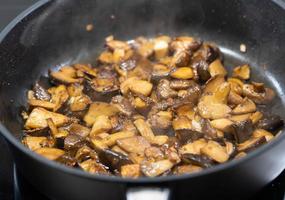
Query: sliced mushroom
(270, 122)
(99, 108)
(101, 124)
(161, 46)
(164, 91)
(111, 139)
(93, 167)
(135, 144)
(160, 140)
(247, 106)
(251, 144)
(187, 169)
(130, 171)
(106, 57)
(144, 129)
(242, 130)
(215, 151)
(112, 159)
(255, 117)
(221, 124)
(251, 92)
(183, 73)
(79, 130)
(154, 153)
(161, 121)
(38, 117)
(118, 149)
(185, 43)
(242, 72)
(160, 70)
(40, 103)
(66, 75)
(59, 95)
(73, 142)
(234, 98)
(181, 123)
(87, 69)
(141, 87)
(146, 49)
(152, 169)
(50, 153)
(239, 118)
(180, 58)
(193, 147)
(195, 159)
(186, 135)
(258, 133)
(217, 68)
(213, 83)
(40, 92)
(34, 143)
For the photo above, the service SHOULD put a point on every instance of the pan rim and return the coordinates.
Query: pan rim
(115, 179)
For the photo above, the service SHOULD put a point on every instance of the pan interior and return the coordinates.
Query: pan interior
(55, 35)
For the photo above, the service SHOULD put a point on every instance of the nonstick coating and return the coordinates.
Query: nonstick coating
(52, 33)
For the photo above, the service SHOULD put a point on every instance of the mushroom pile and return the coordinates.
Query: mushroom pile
(149, 107)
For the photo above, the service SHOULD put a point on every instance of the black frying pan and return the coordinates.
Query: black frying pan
(52, 33)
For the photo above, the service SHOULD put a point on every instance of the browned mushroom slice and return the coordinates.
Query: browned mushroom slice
(242, 72)
(111, 139)
(50, 153)
(160, 140)
(261, 132)
(99, 108)
(101, 124)
(230, 148)
(193, 147)
(104, 85)
(79, 130)
(255, 117)
(181, 84)
(195, 159)
(236, 85)
(234, 98)
(146, 49)
(38, 117)
(160, 121)
(221, 124)
(181, 123)
(213, 83)
(123, 104)
(185, 43)
(270, 122)
(87, 69)
(152, 169)
(154, 153)
(182, 73)
(40, 103)
(215, 151)
(144, 129)
(34, 143)
(252, 93)
(240, 155)
(131, 171)
(66, 75)
(160, 70)
(217, 68)
(135, 144)
(187, 169)
(247, 106)
(186, 110)
(180, 58)
(94, 167)
(242, 130)
(251, 144)
(161, 46)
(112, 159)
(141, 87)
(239, 118)
(118, 149)
(136, 158)
(40, 92)
(73, 142)
(85, 153)
(59, 96)
(54, 131)
(186, 135)
(106, 57)
(79, 103)
(209, 108)
(164, 91)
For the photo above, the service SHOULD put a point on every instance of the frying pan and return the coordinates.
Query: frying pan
(52, 33)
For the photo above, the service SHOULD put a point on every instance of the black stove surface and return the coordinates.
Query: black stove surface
(14, 186)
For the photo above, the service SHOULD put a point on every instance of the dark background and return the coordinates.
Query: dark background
(9, 9)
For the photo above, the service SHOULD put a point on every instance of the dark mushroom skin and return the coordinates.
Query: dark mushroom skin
(149, 107)
(270, 123)
(199, 160)
(242, 130)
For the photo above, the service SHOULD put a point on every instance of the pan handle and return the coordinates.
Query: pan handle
(142, 193)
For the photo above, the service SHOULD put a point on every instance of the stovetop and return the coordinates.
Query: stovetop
(14, 186)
